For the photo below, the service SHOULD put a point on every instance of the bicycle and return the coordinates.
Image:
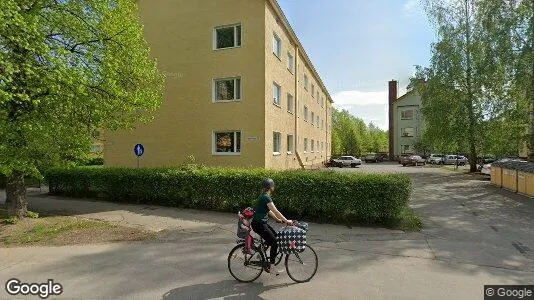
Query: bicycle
(257, 261)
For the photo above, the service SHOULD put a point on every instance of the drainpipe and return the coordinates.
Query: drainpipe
(296, 107)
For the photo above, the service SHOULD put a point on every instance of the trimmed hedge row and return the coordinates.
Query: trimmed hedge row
(306, 195)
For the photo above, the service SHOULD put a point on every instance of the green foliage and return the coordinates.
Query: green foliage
(479, 86)
(322, 196)
(32, 215)
(351, 136)
(68, 69)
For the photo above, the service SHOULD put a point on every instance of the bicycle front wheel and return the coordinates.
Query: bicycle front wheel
(301, 267)
(245, 267)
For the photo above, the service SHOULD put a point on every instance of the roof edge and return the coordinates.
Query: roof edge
(281, 15)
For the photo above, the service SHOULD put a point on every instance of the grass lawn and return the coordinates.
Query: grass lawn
(56, 230)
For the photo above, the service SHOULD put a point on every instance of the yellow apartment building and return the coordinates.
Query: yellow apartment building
(240, 90)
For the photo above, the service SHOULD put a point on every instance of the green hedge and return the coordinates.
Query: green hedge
(306, 195)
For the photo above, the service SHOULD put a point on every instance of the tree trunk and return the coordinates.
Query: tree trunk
(17, 207)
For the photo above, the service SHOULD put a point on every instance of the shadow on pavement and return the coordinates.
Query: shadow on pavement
(228, 289)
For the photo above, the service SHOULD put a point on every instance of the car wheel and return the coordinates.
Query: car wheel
(404, 165)
(353, 165)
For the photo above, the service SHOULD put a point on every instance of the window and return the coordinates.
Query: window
(317, 97)
(407, 132)
(322, 124)
(313, 90)
(277, 94)
(277, 46)
(407, 114)
(290, 103)
(290, 144)
(312, 118)
(305, 144)
(227, 89)
(227, 142)
(227, 37)
(317, 122)
(305, 82)
(318, 149)
(305, 113)
(277, 142)
(290, 63)
(322, 146)
(312, 146)
(322, 101)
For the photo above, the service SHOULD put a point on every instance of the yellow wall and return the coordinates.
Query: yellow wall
(180, 34)
(277, 118)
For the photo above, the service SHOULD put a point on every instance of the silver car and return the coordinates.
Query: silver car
(454, 159)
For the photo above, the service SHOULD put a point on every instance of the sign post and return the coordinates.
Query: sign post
(138, 151)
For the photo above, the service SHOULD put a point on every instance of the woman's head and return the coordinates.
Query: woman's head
(268, 185)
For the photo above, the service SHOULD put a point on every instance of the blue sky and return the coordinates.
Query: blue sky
(357, 46)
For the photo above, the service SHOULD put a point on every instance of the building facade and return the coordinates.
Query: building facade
(240, 90)
(405, 121)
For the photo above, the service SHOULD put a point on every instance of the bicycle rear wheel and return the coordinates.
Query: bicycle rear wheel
(301, 267)
(245, 267)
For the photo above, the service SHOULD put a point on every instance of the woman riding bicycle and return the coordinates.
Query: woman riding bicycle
(264, 208)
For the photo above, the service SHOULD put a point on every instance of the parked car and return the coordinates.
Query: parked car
(412, 160)
(434, 159)
(331, 163)
(486, 168)
(348, 161)
(373, 157)
(454, 159)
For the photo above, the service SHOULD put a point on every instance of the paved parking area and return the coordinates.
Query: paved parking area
(474, 234)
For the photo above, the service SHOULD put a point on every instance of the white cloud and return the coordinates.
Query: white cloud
(412, 7)
(369, 106)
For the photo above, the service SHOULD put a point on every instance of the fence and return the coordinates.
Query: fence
(516, 176)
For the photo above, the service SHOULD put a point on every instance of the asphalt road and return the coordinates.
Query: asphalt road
(474, 234)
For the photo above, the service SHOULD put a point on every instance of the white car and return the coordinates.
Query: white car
(486, 169)
(348, 161)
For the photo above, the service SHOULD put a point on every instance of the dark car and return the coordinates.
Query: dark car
(412, 160)
(373, 157)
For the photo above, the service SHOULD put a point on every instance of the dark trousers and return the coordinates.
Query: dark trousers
(269, 235)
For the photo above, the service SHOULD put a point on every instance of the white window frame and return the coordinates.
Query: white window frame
(214, 143)
(290, 103)
(305, 145)
(278, 99)
(305, 81)
(405, 110)
(235, 36)
(277, 148)
(214, 89)
(413, 132)
(290, 62)
(290, 140)
(277, 45)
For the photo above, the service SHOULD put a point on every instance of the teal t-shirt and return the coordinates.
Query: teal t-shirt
(261, 211)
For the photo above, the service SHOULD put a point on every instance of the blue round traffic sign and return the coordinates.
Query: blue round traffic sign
(139, 149)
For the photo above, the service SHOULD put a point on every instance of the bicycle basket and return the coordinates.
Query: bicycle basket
(291, 239)
(302, 225)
